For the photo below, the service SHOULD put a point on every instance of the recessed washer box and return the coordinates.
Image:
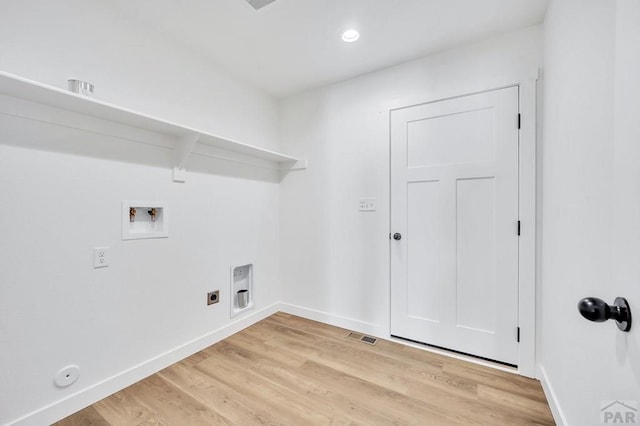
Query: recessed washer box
(241, 289)
(144, 219)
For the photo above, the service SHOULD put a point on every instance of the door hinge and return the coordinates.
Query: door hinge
(519, 120)
(518, 228)
(518, 335)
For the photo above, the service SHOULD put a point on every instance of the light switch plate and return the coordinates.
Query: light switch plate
(368, 204)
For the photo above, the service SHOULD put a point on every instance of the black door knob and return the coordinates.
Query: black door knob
(397, 236)
(597, 310)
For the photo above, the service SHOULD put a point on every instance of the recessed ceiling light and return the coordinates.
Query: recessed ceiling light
(350, 35)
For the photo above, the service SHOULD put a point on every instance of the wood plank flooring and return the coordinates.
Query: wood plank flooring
(287, 370)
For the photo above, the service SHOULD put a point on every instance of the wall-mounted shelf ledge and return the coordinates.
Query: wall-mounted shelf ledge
(89, 114)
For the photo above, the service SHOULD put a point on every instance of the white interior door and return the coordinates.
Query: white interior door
(454, 202)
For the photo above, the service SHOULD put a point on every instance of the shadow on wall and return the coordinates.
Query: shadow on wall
(150, 149)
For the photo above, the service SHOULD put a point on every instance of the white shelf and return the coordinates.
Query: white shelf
(185, 140)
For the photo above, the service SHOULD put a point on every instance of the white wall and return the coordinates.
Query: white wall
(132, 67)
(335, 260)
(591, 201)
(61, 192)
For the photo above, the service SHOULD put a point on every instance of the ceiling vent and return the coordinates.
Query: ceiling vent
(259, 4)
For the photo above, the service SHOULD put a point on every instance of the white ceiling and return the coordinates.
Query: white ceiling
(293, 45)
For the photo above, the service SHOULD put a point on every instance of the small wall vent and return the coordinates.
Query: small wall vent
(259, 4)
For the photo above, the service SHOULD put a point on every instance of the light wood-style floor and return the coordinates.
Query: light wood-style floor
(292, 371)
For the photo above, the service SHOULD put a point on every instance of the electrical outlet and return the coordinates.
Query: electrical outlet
(213, 297)
(100, 257)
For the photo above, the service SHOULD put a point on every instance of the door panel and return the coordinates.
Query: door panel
(475, 253)
(425, 260)
(454, 195)
(425, 148)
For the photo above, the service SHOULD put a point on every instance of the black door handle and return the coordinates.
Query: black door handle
(597, 310)
(397, 236)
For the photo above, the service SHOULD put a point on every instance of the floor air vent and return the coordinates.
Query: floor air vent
(363, 338)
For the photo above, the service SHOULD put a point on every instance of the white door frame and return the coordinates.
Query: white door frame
(527, 265)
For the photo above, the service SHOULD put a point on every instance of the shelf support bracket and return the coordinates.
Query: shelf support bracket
(294, 165)
(184, 146)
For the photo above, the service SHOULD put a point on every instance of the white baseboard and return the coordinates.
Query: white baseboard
(69, 405)
(552, 399)
(336, 320)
